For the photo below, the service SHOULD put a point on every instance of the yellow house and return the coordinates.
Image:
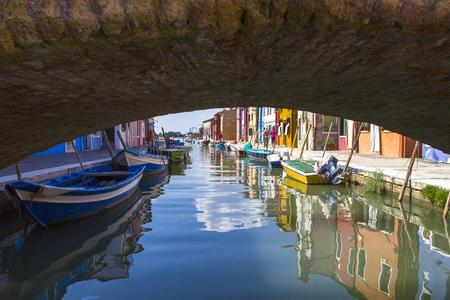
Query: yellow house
(287, 127)
(252, 124)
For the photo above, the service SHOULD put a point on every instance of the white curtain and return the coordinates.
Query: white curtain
(375, 138)
(350, 125)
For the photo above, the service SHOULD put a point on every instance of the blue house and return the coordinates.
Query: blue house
(87, 142)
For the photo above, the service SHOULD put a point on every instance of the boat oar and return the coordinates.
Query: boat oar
(121, 140)
(326, 141)
(18, 173)
(108, 145)
(77, 154)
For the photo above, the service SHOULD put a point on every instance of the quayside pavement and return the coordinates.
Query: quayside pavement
(42, 167)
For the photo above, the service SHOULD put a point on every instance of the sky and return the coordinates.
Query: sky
(183, 121)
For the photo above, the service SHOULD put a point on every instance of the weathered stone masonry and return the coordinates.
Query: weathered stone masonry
(69, 67)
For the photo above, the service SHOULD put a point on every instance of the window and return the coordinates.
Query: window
(342, 127)
(385, 277)
(361, 263)
(326, 121)
(351, 262)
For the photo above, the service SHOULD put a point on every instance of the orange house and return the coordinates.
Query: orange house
(377, 140)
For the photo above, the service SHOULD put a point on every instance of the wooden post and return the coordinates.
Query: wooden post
(105, 137)
(408, 173)
(121, 140)
(326, 141)
(445, 214)
(304, 141)
(293, 141)
(355, 144)
(77, 154)
(19, 174)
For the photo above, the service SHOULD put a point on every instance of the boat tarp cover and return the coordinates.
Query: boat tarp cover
(301, 165)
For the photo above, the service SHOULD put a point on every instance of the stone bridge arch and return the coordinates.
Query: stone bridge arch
(69, 67)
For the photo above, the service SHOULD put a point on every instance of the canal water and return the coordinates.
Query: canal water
(228, 228)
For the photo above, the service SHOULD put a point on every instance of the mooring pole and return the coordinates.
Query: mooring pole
(445, 214)
(355, 143)
(326, 141)
(304, 141)
(294, 140)
(408, 173)
(77, 154)
(19, 175)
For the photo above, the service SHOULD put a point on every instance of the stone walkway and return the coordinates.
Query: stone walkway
(46, 166)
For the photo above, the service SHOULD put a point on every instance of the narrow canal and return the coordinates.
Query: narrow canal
(226, 228)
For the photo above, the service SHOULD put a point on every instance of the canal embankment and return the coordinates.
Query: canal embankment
(363, 167)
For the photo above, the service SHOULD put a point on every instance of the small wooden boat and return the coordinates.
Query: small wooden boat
(77, 195)
(241, 149)
(220, 145)
(174, 155)
(258, 153)
(274, 160)
(154, 164)
(303, 171)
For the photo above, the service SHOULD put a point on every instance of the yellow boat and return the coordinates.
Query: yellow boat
(301, 187)
(303, 171)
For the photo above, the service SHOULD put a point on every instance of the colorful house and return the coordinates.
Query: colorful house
(253, 119)
(317, 136)
(377, 140)
(241, 124)
(225, 125)
(208, 126)
(92, 141)
(288, 125)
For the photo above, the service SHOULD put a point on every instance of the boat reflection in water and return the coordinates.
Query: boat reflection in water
(45, 263)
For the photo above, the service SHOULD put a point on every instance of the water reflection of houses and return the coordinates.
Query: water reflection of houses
(373, 254)
(366, 253)
(434, 266)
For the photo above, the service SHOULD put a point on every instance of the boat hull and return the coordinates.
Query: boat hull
(50, 203)
(49, 213)
(307, 178)
(274, 160)
(175, 155)
(258, 154)
(153, 165)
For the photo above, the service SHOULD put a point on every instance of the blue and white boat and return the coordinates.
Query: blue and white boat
(77, 195)
(154, 164)
(258, 153)
(274, 160)
(220, 145)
